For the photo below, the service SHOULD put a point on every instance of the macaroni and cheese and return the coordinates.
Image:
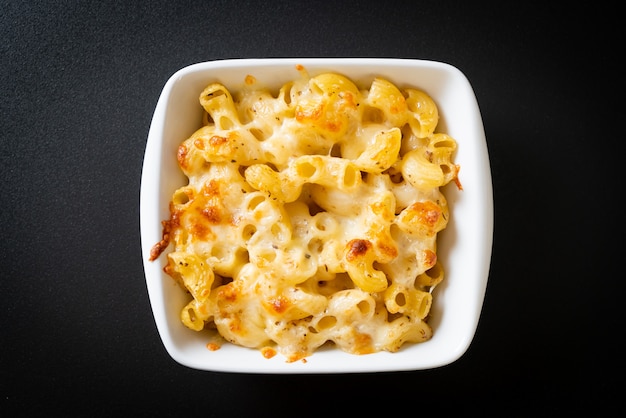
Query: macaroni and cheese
(311, 215)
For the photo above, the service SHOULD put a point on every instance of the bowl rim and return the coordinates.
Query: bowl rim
(323, 361)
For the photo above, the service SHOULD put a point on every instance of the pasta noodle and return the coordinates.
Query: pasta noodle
(311, 215)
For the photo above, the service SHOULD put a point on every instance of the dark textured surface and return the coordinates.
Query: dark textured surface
(79, 83)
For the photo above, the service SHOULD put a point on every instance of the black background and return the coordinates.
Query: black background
(79, 82)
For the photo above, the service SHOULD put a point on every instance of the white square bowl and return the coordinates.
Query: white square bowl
(464, 247)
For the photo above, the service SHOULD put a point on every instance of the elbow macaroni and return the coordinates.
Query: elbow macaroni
(311, 216)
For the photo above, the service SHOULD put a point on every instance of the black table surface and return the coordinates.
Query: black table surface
(79, 83)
